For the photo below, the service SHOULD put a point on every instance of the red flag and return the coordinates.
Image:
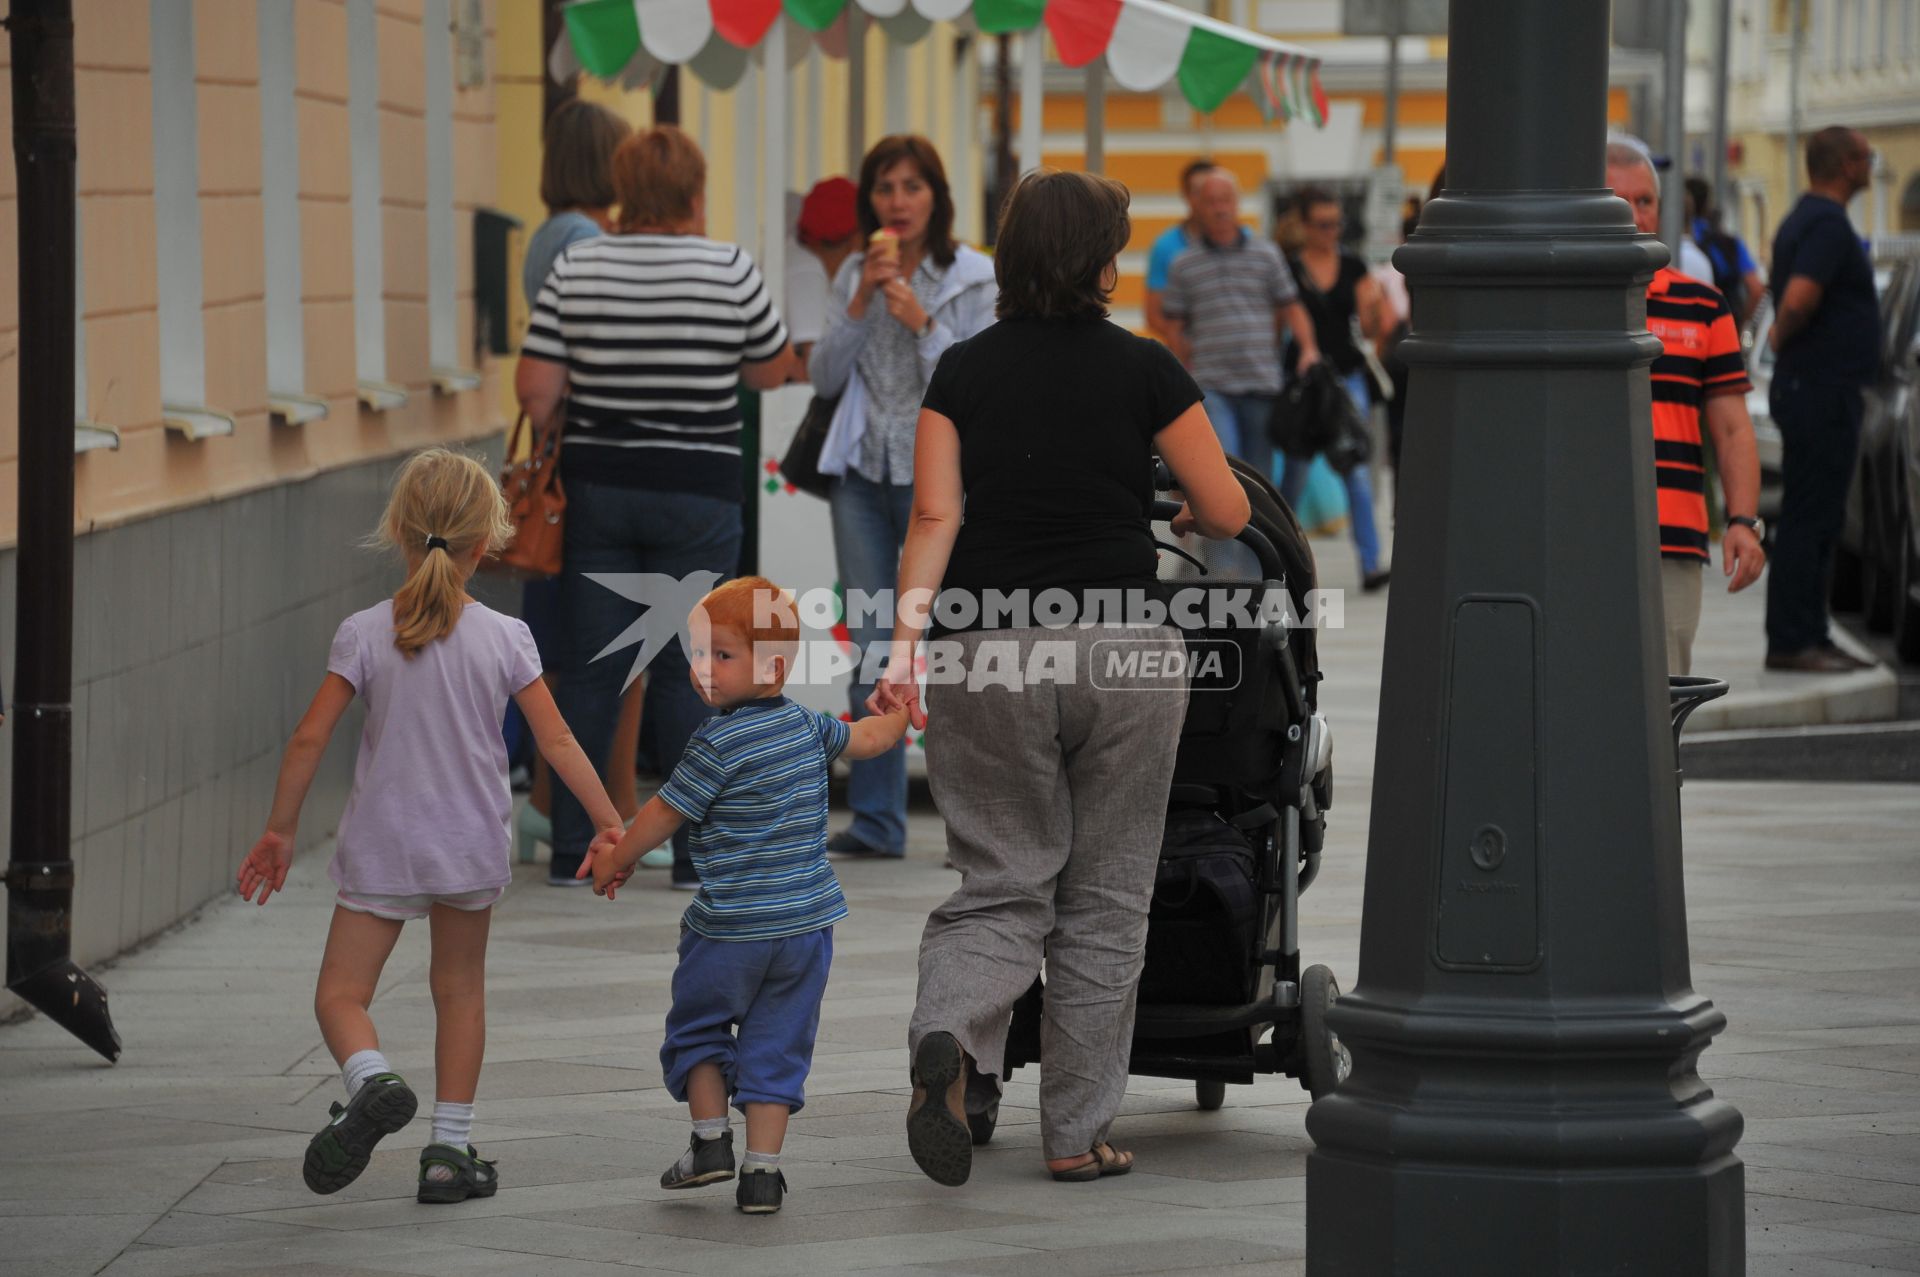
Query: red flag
(1081, 29)
(741, 23)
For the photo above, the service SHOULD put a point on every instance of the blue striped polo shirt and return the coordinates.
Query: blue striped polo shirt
(754, 783)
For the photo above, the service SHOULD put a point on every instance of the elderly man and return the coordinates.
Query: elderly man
(1699, 364)
(1169, 244)
(1226, 299)
(1826, 332)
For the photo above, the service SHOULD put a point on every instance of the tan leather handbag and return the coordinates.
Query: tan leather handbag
(535, 502)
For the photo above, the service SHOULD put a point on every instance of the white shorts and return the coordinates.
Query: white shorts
(409, 908)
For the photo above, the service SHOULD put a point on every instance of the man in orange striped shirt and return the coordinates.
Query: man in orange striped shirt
(1699, 364)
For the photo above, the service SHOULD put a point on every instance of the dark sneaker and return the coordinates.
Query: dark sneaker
(342, 1148)
(937, 1132)
(760, 1191)
(704, 1162)
(845, 844)
(449, 1175)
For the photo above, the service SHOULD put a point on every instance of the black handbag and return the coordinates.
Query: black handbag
(801, 465)
(1352, 445)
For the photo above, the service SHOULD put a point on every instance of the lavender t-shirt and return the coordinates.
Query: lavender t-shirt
(430, 808)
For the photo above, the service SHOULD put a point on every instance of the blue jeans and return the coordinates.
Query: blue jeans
(1366, 537)
(612, 529)
(1819, 440)
(753, 1008)
(1243, 424)
(869, 527)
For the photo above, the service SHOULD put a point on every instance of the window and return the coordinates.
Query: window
(280, 208)
(443, 324)
(369, 273)
(86, 435)
(176, 211)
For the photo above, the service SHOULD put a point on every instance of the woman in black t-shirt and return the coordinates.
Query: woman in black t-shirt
(1337, 289)
(1051, 772)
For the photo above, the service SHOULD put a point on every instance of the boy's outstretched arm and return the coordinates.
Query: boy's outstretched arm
(613, 855)
(563, 753)
(264, 871)
(875, 734)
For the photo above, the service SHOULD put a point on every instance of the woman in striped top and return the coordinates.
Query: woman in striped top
(646, 335)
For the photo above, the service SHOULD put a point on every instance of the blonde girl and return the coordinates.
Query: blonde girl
(425, 830)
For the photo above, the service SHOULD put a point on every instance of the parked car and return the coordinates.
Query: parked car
(1877, 563)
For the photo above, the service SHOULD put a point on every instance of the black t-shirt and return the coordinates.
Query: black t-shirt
(1056, 421)
(1333, 310)
(1841, 343)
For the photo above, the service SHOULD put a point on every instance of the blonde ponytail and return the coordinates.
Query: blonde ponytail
(443, 505)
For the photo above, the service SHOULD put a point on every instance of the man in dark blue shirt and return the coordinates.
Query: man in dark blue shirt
(1826, 334)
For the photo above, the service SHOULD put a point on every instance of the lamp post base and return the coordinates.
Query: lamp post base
(1638, 1221)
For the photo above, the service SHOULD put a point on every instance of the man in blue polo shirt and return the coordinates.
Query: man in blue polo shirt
(1826, 335)
(1170, 243)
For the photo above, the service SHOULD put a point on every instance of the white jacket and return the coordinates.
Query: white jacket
(963, 306)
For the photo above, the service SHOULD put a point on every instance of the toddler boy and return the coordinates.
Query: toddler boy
(757, 940)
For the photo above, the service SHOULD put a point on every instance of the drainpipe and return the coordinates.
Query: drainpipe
(39, 877)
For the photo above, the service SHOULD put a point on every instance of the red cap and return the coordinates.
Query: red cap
(826, 215)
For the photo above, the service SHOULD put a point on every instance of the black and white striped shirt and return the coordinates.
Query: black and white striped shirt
(653, 330)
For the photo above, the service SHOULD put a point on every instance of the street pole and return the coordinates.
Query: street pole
(1005, 172)
(1390, 122)
(553, 27)
(1096, 96)
(1673, 131)
(1796, 37)
(1722, 88)
(1523, 1031)
(39, 878)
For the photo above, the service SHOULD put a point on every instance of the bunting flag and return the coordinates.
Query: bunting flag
(1287, 87)
(1147, 43)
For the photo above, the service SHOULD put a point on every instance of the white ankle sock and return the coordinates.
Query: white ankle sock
(360, 1066)
(758, 1161)
(452, 1124)
(710, 1128)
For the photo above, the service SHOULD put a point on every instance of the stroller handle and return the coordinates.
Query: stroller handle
(1253, 538)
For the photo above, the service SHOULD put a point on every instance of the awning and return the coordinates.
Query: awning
(1146, 42)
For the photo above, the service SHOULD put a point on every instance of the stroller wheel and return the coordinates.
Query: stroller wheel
(1327, 1061)
(1209, 1095)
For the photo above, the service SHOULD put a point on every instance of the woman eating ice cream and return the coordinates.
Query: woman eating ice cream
(896, 308)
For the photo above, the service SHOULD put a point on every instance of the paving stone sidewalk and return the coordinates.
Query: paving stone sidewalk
(184, 1158)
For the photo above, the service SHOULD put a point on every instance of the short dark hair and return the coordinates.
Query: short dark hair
(1194, 169)
(1828, 151)
(886, 153)
(576, 155)
(1700, 190)
(1059, 233)
(1309, 196)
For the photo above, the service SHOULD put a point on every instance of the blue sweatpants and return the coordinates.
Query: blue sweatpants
(753, 1008)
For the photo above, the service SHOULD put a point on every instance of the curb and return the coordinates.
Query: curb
(1806, 700)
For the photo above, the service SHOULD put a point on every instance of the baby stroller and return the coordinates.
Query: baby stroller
(1222, 996)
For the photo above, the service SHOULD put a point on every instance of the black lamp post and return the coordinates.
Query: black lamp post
(1524, 1033)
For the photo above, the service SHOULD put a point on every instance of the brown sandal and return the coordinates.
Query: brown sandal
(1104, 1160)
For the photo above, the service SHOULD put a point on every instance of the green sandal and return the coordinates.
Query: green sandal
(343, 1147)
(472, 1176)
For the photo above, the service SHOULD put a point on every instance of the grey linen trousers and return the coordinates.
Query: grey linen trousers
(1054, 797)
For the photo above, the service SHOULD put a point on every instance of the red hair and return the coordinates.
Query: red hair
(757, 610)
